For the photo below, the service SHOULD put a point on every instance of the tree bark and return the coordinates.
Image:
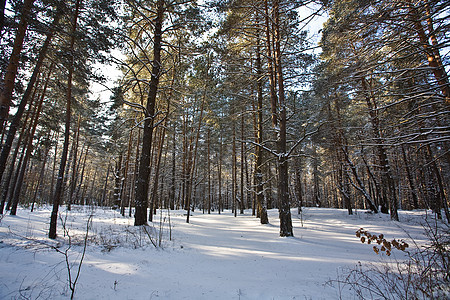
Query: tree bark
(283, 180)
(2, 15)
(39, 185)
(142, 182)
(173, 171)
(261, 205)
(62, 165)
(386, 173)
(73, 177)
(194, 160)
(361, 188)
(6, 149)
(242, 195)
(233, 171)
(13, 65)
(20, 179)
(432, 53)
(219, 175)
(209, 170)
(124, 198)
(6, 183)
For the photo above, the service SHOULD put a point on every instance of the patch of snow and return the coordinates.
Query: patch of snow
(212, 257)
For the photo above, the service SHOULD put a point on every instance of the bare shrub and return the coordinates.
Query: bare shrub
(423, 275)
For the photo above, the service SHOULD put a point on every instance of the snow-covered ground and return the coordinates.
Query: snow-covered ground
(212, 257)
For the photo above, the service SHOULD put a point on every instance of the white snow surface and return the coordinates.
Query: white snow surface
(212, 257)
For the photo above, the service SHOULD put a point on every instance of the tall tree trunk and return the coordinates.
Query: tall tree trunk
(412, 186)
(142, 182)
(136, 168)
(72, 183)
(441, 199)
(105, 187)
(194, 160)
(12, 180)
(242, 195)
(157, 168)
(125, 176)
(432, 53)
(389, 199)
(360, 187)
(233, 171)
(17, 189)
(316, 188)
(283, 179)
(341, 143)
(118, 182)
(259, 183)
(62, 165)
(219, 175)
(209, 170)
(11, 71)
(39, 185)
(6, 183)
(83, 168)
(53, 172)
(2, 15)
(298, 185)
(270, 65)
(6, 149)
(173, 173)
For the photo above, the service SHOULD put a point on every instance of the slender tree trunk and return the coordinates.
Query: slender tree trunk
(72, 183)
(432, 53)
(118, 182)
(6, 183)
(192, 168)
(142, 183)
(153, 198)
(62, 165)
(53, 172)
(39, 185)
(233, 178)
(283, 180)
(270, 62)
(209, 170)
(20, 179)
(360, 187)
(219, 175)
(136, 169)
(76, 197)
(2, 15)
(173, 173)
(316, 188)
(242, 195)
(105, 187)
(125, 176)
(441, 198)
(341, 143)
(259, 183)
(386, 173)
(91, 191)
(6, 149)
(184, 164)
(7, 89)
(412, 186)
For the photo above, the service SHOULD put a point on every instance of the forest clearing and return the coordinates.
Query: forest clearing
(224, 149)
(212, 257)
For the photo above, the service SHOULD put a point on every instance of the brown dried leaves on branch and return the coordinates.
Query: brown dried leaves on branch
(383, 245)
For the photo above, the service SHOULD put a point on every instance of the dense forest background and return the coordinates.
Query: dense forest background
(225, 105)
